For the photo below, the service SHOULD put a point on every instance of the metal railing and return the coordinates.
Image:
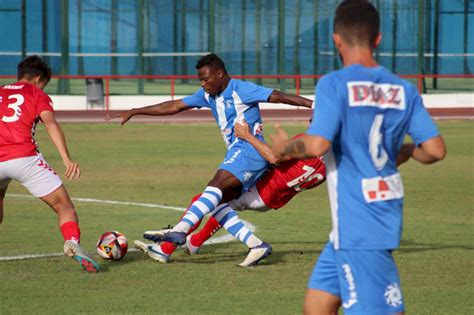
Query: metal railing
(296, 77)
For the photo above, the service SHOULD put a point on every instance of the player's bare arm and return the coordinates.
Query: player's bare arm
(242, 131)
(304, 147)
(57, 137)
(163, 109)
(280, 97)
(430, 151)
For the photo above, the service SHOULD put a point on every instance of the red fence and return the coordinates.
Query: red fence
(296, 77)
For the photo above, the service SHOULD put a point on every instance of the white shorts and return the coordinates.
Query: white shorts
(250, 200)
(32, 172)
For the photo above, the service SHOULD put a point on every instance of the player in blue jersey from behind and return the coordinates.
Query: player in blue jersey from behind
(362, 115)
(230, 101)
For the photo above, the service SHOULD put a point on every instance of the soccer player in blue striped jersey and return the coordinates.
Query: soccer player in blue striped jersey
(230, 101)
(362, 115)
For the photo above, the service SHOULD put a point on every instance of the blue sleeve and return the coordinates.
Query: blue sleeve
(421, 127)
(197, 100)
(327, 111)
(250, 93)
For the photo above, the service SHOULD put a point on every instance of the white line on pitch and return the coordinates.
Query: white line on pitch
(215, 240)
(113, 202)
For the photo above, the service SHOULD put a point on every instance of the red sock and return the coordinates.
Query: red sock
(167, 247)
(211, 227)
(70, 231)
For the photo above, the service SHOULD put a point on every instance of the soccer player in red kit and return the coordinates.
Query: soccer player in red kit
(276, 188)
(22, 105)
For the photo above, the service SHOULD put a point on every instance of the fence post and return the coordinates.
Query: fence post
(107, 94)
(297, 83)
(421, 38)
(172, 88)
(419, 80)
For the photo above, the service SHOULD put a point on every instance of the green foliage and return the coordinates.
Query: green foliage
(168, 164)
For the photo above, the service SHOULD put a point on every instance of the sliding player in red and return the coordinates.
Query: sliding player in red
(278, 186)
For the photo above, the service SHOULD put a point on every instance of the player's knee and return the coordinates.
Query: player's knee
(314, 310)
(224, 180)
(320, 303)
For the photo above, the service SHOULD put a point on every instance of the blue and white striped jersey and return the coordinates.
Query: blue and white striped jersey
(366, 113)
(237, 102)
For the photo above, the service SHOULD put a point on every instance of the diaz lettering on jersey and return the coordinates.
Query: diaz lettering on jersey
(12, 87)
(366, 93)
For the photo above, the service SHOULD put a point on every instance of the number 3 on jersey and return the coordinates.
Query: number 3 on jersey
(377, 152)
(19, 100)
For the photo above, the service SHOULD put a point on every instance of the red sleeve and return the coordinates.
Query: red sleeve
(43, 102)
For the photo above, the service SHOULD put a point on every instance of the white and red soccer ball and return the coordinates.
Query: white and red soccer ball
(112, 245)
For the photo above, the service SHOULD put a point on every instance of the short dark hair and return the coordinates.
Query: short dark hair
(212, 61)
(357, 22)
(34, 66)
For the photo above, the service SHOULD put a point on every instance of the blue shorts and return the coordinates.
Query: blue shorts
(367, 281)
(245, 163)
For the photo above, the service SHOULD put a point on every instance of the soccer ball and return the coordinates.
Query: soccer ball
(112, 245)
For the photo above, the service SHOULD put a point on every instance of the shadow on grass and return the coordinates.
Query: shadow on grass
(219, 253)
(131, 257)
(409, 246)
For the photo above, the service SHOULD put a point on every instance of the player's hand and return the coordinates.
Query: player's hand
(406, 151)
(72, 170)
(279, 141)
(242, 130)
(124, 116)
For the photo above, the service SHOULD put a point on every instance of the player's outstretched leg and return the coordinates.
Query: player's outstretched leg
(195, 241)
(159, 251)
(162, 251)
(60, 202)
(229, 219)
(209, 199)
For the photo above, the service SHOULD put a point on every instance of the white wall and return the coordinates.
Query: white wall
(463, 100)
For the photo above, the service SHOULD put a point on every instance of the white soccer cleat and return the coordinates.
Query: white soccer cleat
(142, 246)
(157, 254)
(256, 254)
(74, 250)
(189, 248)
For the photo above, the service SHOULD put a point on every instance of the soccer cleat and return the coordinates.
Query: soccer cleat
(158, 232)
(169, 228)
(155, 252)
(256, 254)
(74, 250)
(166, 235)
(152, 250)
(142, 246)
(189, 248)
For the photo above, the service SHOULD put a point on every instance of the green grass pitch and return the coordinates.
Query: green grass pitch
(167, 164)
